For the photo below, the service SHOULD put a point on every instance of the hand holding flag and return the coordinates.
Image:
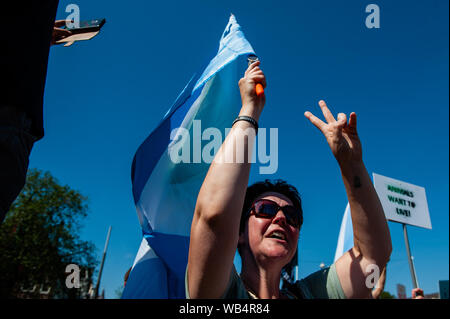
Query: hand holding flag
(259, 89)
(252, 103)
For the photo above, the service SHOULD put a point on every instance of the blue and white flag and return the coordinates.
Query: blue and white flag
(345, 240)
(165, 192)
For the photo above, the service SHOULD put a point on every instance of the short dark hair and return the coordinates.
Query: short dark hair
(278, 186)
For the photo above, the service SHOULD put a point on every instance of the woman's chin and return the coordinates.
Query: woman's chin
(277, 252)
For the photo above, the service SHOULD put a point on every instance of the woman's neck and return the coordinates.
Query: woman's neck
(264, 283)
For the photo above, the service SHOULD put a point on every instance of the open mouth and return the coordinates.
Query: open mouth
(278, 235)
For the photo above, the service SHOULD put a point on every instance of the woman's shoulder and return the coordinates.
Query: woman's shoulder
(322, 284)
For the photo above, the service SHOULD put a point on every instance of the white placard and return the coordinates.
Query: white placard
(402, 202)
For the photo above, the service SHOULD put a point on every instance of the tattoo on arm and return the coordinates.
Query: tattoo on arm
(356, 182)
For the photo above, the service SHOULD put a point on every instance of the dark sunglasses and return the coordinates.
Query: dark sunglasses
(265, 208)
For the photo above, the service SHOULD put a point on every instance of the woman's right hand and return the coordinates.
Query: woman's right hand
(252, 103)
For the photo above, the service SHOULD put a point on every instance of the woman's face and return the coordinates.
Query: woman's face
(271, 240)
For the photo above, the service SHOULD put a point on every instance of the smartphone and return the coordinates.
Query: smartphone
(88, 26)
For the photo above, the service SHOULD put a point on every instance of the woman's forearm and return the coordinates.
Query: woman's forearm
(370, 230)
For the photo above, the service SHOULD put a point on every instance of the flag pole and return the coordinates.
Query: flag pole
(101, 265)
(408, 251)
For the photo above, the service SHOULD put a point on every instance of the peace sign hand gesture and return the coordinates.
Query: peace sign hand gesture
(341, 136)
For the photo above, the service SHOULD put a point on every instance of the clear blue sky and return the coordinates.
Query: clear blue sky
(104, 96)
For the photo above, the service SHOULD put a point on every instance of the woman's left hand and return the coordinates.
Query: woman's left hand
(341, 136)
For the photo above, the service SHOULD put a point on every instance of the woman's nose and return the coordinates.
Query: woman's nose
(279, 218)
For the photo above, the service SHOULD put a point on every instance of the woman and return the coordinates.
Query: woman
(271, 218)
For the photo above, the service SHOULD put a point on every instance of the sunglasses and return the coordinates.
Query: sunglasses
(265, 208)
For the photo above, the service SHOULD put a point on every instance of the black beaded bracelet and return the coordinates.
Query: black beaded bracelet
(248, 119)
